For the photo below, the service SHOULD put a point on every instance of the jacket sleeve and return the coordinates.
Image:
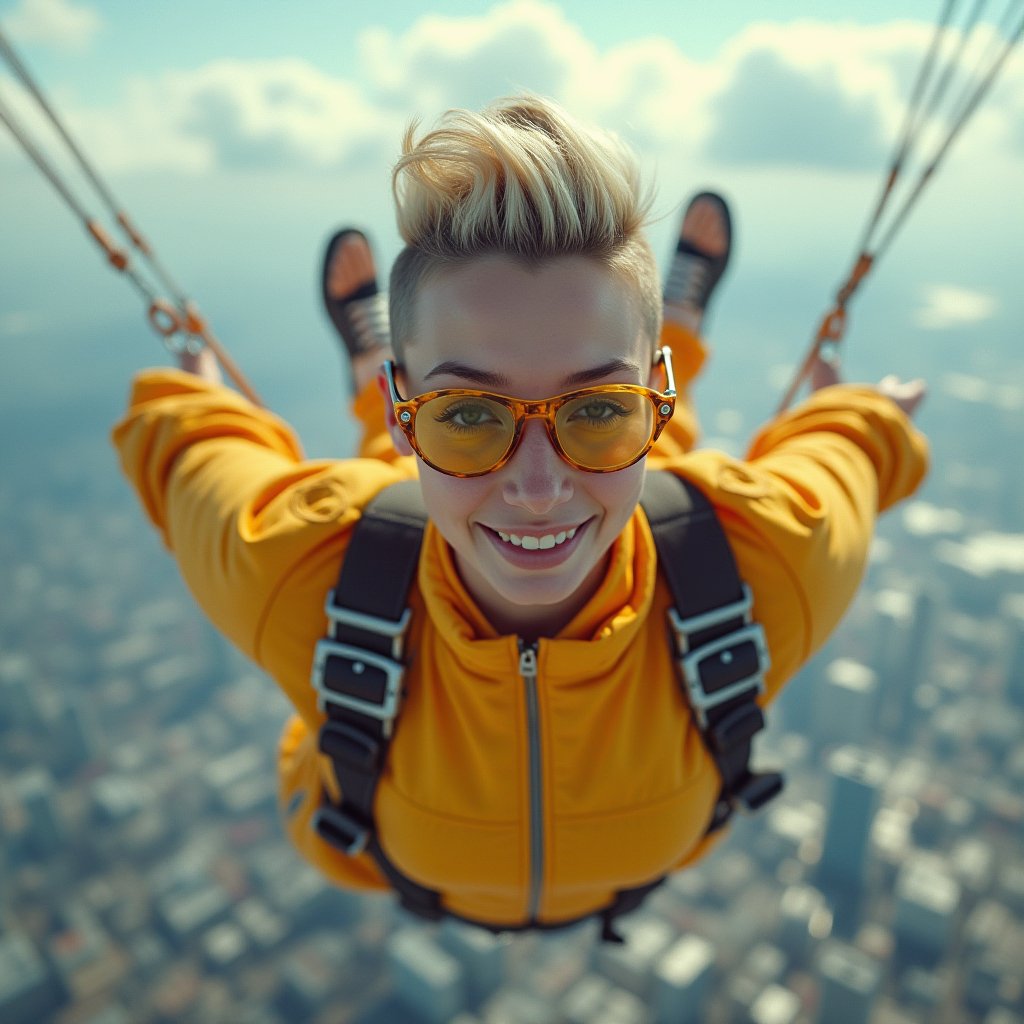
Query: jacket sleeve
(800, 510)
(258, 533)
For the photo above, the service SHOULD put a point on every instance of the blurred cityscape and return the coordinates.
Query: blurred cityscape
(144, 875)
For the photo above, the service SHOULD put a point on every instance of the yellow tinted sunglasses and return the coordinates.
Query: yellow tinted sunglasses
(465, 432)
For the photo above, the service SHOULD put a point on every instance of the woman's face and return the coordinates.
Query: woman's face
(527, 333)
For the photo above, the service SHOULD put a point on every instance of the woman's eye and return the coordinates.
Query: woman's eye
(467, 415)
(599, 410)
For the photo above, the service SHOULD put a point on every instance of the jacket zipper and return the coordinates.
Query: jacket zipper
(528, 670)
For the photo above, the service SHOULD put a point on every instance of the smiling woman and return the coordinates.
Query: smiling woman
(536, 697)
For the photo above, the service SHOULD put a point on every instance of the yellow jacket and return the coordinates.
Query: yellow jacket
(627, 785)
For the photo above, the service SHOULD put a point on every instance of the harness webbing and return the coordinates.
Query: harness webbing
(699, 566)
(168, 318)
(930, 88)
(357, 669)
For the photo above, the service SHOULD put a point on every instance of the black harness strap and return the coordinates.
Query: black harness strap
(722, 654)
(358, 672)
(358, 669)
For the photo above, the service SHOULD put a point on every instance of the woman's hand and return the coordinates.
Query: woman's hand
(202, 363)
(908, 395)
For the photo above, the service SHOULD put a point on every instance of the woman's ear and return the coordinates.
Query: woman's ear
(398, 438)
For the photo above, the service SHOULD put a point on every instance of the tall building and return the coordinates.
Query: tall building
(30, 991)
(846, 703)
(76, 739)
(850, 982)
(683, 981)
(890, 656)
(927, 604)
(804, 919)
(428, 981)
(481, 954)
(632, 964)
(927, 903)
(856, 777)
(19, 708)
(36, 793)
(1014, 608)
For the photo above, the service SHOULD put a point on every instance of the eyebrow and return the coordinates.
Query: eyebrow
(452, 367)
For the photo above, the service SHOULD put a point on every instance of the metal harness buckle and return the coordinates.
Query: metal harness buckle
(370, 623)
(341, 830)
(724, 649)
(360, 659)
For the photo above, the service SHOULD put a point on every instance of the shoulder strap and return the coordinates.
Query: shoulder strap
(722, 654)
(358, 670)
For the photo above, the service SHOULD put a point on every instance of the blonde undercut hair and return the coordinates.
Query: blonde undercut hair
(520, 179)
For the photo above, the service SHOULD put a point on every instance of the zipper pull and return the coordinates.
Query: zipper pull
(527, 660)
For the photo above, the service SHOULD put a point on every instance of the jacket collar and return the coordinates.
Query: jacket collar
(599, 633)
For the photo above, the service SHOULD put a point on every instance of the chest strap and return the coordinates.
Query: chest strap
(358, 668)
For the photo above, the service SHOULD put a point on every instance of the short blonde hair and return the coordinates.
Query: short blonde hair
(520, 179)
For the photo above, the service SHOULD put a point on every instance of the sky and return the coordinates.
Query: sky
(238, 137)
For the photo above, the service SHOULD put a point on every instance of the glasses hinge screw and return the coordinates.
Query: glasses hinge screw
(405, 417)
(665, 410)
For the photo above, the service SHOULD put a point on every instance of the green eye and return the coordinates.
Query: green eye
(599, 412)
(467, 416)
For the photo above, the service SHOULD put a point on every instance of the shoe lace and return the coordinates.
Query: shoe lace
(371, 324)
(686, 278)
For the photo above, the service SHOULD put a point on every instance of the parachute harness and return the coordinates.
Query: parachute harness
(178, 321)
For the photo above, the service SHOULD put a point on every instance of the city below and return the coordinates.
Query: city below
(145, 876)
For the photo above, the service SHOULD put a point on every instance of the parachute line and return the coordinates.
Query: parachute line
(168, 319)
(929, 89)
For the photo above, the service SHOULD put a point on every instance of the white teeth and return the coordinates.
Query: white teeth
(545, 543)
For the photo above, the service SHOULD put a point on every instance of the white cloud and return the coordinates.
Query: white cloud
(985, 554)
(17, 323)
(466, 61)
(274, 113)
(925, 520)
(56, 22)
(834, 97)
(946, 306)
(261, 115)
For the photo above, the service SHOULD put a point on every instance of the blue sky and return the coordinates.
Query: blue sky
(239, 135)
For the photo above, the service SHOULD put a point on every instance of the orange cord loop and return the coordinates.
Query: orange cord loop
(164, 318)
(174, 328)
(194, 323)
(833, 326)
(859, 272)
(116, 256)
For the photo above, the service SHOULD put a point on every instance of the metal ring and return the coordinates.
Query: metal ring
(164, 318)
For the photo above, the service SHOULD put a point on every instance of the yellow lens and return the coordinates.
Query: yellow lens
(464, 433)
(605, 430)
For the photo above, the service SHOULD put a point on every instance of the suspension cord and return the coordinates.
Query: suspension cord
(168, 319)
(832, 327)
(971, 102)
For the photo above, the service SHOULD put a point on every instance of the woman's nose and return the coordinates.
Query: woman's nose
(537, 477)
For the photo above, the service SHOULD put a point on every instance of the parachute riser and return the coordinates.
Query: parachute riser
(831, 329)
